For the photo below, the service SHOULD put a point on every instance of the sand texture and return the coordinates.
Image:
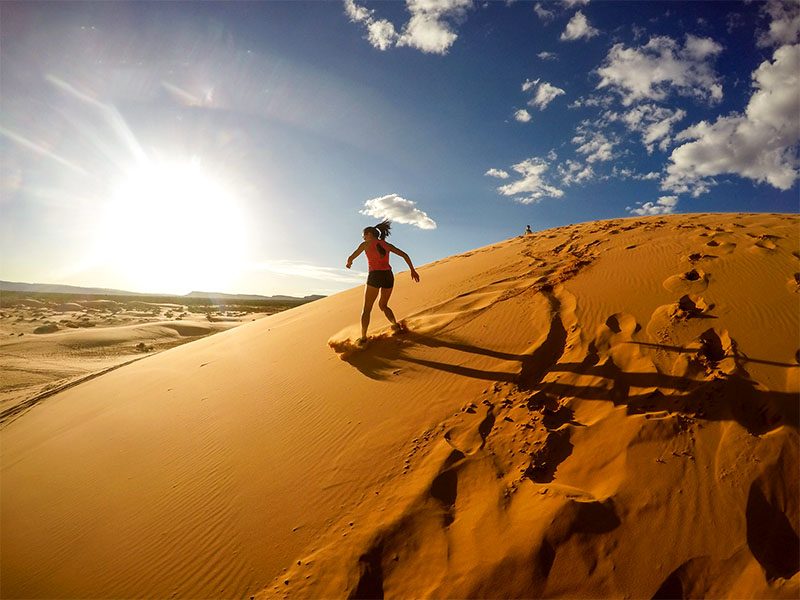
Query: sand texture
(607, 409)
(48, 346)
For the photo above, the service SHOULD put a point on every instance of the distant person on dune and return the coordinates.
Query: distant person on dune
(528, 229)
(381, 278)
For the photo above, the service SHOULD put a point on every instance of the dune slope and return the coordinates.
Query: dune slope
(604, 409)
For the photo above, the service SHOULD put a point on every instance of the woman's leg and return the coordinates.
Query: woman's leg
(370, 294)
(383, 304)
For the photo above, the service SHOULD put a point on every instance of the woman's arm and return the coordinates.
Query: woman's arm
(405, 257)
(361, 247)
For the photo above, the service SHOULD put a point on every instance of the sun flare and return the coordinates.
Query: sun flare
(172, 227)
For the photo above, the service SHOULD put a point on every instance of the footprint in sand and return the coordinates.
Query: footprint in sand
(764, 236)
(554, 419)
(613, 341)
(793, 283)
(721, 247)
(711, 353)
(546, 457)
(622, 323)
(444, 487)
(698, 256)
(764, 246)
(690, 282)
(690, 306)
(467, 433)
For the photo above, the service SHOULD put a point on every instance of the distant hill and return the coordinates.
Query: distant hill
(50, 288)
(218, 296)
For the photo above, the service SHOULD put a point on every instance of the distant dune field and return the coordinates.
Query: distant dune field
(48, 344)
(608, 409)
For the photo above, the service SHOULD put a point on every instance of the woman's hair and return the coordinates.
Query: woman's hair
(381, 231)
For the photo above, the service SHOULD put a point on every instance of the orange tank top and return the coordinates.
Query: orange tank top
(374, 258)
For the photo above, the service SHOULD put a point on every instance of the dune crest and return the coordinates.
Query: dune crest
(606, 409)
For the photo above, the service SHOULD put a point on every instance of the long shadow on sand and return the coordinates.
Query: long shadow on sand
(383, 357)
(735, 398)
(682, 350)
(731, 397)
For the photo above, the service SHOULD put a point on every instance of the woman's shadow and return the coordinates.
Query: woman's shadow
(384, 357)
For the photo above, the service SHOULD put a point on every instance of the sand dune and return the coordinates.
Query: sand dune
(608, 409)
(44, 349)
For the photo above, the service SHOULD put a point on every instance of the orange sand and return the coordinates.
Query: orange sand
(46, 347)
(607, 409)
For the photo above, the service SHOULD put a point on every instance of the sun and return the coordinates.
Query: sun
(173, 228)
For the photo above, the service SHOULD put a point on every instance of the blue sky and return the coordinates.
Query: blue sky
(242, 147)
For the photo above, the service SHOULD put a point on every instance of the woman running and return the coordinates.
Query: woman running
(381, 278)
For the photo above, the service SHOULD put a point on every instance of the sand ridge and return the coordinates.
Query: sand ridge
(434, 540)
(605, 409)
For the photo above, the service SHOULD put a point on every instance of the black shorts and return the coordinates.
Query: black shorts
(381, 279)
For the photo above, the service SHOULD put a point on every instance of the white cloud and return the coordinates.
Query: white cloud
(499, 173)
(553, 8)
(594, 145)
(357, 14)
(522, 115)
(578, 27)
(428, 34)
(547, 55)
(663, 206)
(651, 71)
(654, 122)
(592, 101)
(761, 144)
(784, 27)
(429, 27)
(543, 13)
(380, 32)
(531, 187)
(699, 49)
(626, 173)
(545, 93)
(398, 209)
(574, 172)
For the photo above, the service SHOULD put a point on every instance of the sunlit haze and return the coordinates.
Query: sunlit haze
(242, 147)
(170, 227)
